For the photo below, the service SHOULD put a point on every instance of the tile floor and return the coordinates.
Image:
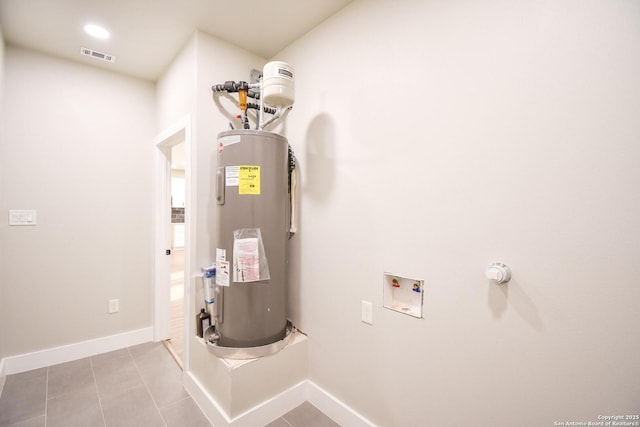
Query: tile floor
(305, 415)
(137, 386)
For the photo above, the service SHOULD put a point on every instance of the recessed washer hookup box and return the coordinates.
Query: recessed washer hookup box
(403, 294)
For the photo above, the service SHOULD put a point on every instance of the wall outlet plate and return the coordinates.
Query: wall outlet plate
(114, 306)
(367, 312)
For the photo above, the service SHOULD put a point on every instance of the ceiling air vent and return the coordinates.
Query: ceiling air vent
(97, 55)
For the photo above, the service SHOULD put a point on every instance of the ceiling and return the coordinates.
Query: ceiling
(147, 34)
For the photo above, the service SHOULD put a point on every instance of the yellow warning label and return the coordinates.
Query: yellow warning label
(249, 179)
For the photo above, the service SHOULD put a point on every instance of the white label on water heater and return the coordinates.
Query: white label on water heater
(222, 273)
(228, 140)
(232, 176)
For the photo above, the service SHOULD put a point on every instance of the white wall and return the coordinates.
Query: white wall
(185, 88)
(1, 143)
(217, 62)
(76, 148)
(175, 90)
(437, 137)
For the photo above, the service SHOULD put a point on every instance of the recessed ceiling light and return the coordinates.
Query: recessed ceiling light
(97, 31)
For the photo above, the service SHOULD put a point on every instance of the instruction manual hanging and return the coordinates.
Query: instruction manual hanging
(249, 259)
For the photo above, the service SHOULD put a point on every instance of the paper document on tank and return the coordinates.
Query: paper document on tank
(249, 261)
(246, 260)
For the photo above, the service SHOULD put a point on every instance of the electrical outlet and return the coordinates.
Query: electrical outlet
(367, 312)
(114, 306)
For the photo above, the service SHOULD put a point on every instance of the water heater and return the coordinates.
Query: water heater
(252, 234)
(254, 192)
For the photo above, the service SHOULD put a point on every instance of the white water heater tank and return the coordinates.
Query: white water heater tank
(277, 84)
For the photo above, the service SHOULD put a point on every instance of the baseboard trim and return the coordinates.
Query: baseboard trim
(53, 356)
(261, 414)
(334, 408)
(207, 404)
(273, 408)
(277, 406)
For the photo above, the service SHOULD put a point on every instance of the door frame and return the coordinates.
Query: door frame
(175, 134)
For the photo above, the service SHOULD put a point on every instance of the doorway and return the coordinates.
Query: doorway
(176, 297)
(172, 250)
